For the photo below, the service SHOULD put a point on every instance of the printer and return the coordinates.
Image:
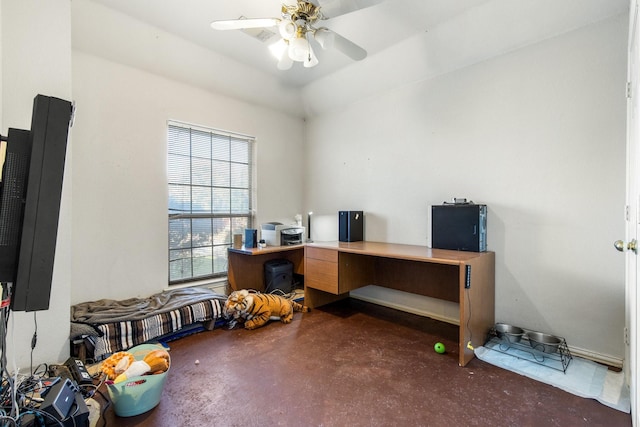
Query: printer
(278, 234)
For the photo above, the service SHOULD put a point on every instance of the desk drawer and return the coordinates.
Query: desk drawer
(322, 275)
(330, 255)
(321, 269)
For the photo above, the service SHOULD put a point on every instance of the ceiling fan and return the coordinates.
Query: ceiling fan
(298, 27)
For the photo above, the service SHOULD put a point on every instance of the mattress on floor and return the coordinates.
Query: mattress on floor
(108, 326)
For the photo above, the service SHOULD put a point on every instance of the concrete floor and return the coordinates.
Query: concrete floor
(351, 364)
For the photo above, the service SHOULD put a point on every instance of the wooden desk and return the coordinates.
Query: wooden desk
(246, 265)
(333, 269)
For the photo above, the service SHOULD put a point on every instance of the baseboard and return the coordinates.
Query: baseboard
(605, 359)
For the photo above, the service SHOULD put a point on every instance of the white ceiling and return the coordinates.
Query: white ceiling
(374, 28)
(405, 40)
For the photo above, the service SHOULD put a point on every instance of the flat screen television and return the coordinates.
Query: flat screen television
(30, 195)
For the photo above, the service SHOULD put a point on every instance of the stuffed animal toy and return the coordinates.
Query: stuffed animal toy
(122, 365)
(257, 309)
(116, 364)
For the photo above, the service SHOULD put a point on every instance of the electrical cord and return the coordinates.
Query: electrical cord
(34, 340)
(15, 407)
(5, 418)
(89, 390)
(19, 396)
(72, 416)
(103, 409)
(469, 345)
(41, 415)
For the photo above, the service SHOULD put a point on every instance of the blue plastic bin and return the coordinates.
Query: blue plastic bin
(138, 395)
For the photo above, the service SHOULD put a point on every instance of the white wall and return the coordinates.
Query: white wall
(39, 62)
(112, 35)
(129, 79)
(537, 134)
(115, 246)
(120, 182)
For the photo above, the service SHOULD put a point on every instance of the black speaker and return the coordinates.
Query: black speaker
(350, 226)
(461, 227)
(49, 132)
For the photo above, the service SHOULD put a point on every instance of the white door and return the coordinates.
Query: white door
(633, 203)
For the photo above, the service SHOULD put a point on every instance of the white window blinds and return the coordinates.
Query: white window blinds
(210, 198)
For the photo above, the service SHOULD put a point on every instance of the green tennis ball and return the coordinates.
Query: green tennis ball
(439, 347)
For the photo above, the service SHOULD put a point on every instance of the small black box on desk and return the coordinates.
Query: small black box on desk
(350, 226)
(459, 226)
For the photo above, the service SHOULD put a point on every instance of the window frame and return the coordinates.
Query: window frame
(185, 246)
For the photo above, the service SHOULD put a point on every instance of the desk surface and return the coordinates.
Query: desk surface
(391, 250)
(265, 250)
(401, 251)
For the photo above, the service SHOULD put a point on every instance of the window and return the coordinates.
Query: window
(210, 198)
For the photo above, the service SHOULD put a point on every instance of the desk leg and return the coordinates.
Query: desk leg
(477, 305)
(466, 353)
(234, 267)
(247, 271)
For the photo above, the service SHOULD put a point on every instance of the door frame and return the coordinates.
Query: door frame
(632, 267)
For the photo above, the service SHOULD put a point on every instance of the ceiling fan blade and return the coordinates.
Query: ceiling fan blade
(330, 39)
(333, 8)
(243, 23)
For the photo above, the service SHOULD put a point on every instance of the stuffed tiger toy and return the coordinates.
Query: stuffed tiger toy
(257, 309)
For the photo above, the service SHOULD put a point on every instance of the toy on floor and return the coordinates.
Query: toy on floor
(439, 348)
(122, 365)
(257, 309)
(116, 364)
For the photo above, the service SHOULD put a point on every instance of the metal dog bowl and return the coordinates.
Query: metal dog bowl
(544, 342)
(512, 334)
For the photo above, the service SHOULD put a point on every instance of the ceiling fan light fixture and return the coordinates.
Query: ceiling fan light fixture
(285, 63)
(324, 37)
(287, 29)
(279, 49)
(297, 25)
(299, 49)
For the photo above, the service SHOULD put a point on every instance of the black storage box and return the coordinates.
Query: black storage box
(278, 275)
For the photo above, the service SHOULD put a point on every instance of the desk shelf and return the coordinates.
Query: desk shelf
(522, 350)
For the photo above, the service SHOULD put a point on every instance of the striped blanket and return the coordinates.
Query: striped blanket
(118, 332)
